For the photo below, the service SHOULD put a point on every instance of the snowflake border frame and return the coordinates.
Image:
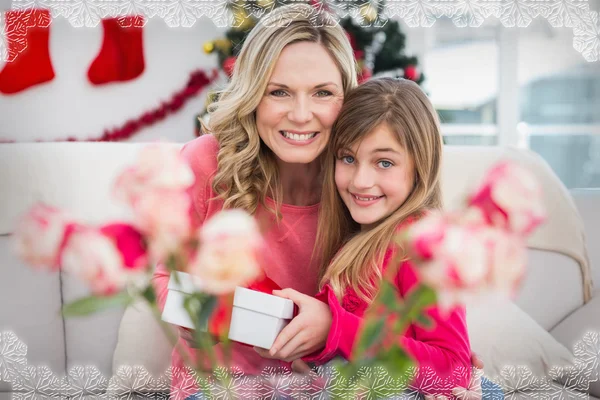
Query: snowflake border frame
(29, 381)
(575, 14)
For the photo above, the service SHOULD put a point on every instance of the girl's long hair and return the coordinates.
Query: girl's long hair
(351, 258)
(247, 172)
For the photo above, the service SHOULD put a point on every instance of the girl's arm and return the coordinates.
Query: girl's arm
(443, 353)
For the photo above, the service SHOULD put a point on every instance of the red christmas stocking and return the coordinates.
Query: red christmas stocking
(32, 65)
(122, 56)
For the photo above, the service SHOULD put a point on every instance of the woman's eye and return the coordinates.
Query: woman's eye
(385, 164)
(278, 93)
(324, 93)
(347, 159)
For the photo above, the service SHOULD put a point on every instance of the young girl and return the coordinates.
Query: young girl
(382, 172)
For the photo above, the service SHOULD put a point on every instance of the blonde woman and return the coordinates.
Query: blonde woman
(268, 131)
(269, 128)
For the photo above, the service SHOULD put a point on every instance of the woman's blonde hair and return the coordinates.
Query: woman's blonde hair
(247, 172)
(351, 258)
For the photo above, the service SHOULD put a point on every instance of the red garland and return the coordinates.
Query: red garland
(197, 81)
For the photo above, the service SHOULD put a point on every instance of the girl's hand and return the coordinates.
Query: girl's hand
(306, 333)
(473, 392)
(189, 336)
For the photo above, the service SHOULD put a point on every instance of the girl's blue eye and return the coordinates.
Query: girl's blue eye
(347, 159)
(324, 93)
(385, 164)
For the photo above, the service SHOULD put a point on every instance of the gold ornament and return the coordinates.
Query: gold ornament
(223, 45)
(209, 47)
(264, 3)
(241, 20)
(368, 12)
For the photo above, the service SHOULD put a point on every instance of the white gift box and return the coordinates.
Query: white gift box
(178, 290)
(257, 318)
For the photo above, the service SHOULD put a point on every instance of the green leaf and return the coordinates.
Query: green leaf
(192, 305)
(396, 362)
(208, 306)
(92, 304)
(388, 296)
(370, 335)
(425, 321)
(149, 294)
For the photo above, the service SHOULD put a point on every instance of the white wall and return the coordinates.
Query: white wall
(70, 105)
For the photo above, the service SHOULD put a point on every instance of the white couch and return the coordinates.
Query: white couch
(77, 357)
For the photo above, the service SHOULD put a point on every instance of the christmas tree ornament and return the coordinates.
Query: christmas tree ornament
(223, 45)
(228, 65)
(121, 57)
(368, 12)
(241, 20)
(264, 3)
(411, 72)
(208, 47)
(32, 65)
(365, 75)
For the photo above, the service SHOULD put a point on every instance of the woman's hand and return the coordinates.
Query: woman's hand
(306, 333)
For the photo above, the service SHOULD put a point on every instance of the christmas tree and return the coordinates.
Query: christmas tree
(378, 43)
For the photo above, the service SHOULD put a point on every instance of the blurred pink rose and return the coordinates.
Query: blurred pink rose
(106, 259)
(159, 167)
(466, 260)
(228, 256)
(39, 235)
(165, 217)
(511, 198)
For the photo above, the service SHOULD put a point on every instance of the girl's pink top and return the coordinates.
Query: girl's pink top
(291, 242)
(443, 353)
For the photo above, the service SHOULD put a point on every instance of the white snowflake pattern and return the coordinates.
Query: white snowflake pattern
(13, 355)
(426, 380)
(326, 383)
(376, 383)
(569, 382)
(470, 13)
(587, 352)
(275, 383)
(518, 382)
(129, 382)
(39, 383)
(565, 13)
(3, 39)
(188, 381)
(417, 13)
(230, 384)
(85, 381)
(587, 38)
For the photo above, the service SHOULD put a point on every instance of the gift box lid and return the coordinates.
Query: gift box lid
(184, 283)
(263, 303)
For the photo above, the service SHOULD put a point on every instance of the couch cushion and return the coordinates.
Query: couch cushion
(572, 333)
(90, 340)
(76, 177)
(551, 289)
(31, 304)
(504, 335)
(140, 330)
(588, 204)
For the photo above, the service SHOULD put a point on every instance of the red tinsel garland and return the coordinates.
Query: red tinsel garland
(197, 81)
